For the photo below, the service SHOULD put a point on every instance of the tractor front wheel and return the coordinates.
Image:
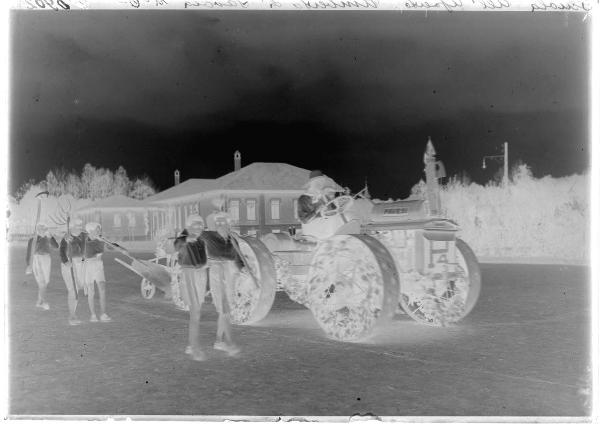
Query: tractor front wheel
(439, 300)
(352, 286)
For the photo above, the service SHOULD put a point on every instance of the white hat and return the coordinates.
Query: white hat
(194, 218)
(320, 185)
(92, 226)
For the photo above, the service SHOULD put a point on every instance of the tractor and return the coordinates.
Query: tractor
(382, 258)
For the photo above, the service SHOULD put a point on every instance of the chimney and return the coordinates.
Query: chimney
(237, 161)
(176, 177)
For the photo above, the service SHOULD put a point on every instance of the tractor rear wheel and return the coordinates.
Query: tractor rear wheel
(253, 292)
(352, 286)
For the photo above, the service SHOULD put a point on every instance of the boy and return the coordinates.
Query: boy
(77, 250)
(192, 259)
(94, 270)
(70, 255)
(224, 263)
(40, 262)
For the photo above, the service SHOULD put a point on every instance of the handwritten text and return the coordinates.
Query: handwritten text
(492, 4)
(222, 4)
(341, 4)
(50, 4)
(449, 5)
(574, 6)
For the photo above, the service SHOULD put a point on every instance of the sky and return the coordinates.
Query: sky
(353, 94)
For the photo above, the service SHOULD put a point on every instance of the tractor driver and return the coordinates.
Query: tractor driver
(320, 191)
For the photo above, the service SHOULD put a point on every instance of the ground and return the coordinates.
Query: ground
(523, 351)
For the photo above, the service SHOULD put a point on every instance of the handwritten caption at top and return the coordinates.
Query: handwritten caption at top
(447, 5)
(47, 4)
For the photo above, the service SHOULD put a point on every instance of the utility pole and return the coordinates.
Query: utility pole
(505, 164)
(504, 157)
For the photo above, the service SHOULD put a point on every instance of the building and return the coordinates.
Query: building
(121, 217)
(260, 197)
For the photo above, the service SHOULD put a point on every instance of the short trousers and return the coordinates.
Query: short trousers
(93, 271)
(77, 274)
(40, 266)
(222, 275)
(193, 285)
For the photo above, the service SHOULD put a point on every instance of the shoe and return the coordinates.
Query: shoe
(45, 306)
(198, 355)
(231, 349)
(93, 318)
(220, 345)
(74, 322)
(188, 350)
(105, 318)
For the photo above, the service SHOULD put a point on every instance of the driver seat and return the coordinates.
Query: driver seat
(323, 227)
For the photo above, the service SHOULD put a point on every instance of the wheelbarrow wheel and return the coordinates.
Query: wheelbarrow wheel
(148, 289)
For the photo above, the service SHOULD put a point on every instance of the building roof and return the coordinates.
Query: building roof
(117, 201)
(255, 176)
(186, 188)
(265, 176)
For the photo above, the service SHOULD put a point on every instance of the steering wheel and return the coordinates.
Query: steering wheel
(340, 204)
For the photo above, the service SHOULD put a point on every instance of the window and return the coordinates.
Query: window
(234, 210)
(117, 220)
(251, 209)
(131, 219)
(295, 209)
(275, 209)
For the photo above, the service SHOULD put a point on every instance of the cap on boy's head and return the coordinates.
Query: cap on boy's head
(315, 173)
(92, 227)
(218, 203)
(194, 219)
(217, 218)
(41, 227)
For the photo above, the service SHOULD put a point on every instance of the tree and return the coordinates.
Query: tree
(93, 183)
(102, 184)
(74, 186)
(23, 189)
(122, 184)
(54, 186)
(87, 175)
(141, 188)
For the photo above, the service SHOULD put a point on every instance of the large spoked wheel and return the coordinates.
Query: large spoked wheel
(352, 286)
(147, 289)
(438, 299)
(253, 292)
